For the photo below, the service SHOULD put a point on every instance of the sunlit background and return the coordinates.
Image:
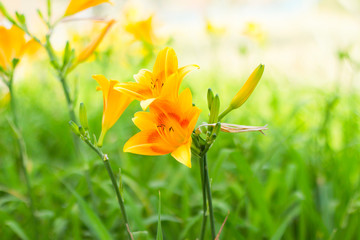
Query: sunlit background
(299, 181)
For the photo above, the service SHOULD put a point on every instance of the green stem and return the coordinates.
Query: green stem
(66, 91)
(209, 197)
(203, 224)
(22, 151)
(105, 158)
(224, 113)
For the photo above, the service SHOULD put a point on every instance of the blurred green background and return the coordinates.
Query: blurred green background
(299, 181)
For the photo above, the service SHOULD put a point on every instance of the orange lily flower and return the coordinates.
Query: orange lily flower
(163, 82)
(167, 128)
(115, 104)
(76, 6)
(93, 45)
(13, 45)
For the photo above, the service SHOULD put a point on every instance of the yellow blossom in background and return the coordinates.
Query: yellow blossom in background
(248, 87)
(163, 82)
(214, 30)
(142, 30)
(85, 53)
(167, 128)
(76, 6)
(114, 101)
(13, 45)
(255, 32)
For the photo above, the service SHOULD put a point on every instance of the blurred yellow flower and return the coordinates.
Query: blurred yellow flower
(248, 88)
(114, 101)
(167, 128)
(213, 29)
(163, 82)
(94, 44)
(76, 6)
(142, 30)
(254, 31)
(13, 45)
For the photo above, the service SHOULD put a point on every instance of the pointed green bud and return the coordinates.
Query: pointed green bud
(40, 14)
(83, 117)
(210, 98)
(15, 62)
(214, 110)
(74, 127)
(217, 128)
(21, 18)
(82, 131)
(249, 86)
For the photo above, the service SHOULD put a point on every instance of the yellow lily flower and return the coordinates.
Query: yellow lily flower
(94, 44)
(255, 32)
(13, 45)
(167, 128)
(115, 104)
(76, 6)
(163, 82)
(142, 30)
(214, 30)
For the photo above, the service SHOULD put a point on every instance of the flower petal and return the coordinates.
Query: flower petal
(93, 44)
(147, 142)
(104, 86)
(144, 76)
(144, 121)
(117, 102)
(166, 64)
(186, 70)
(138, 91)
(76, 6)
(146, 103)
(183, 154)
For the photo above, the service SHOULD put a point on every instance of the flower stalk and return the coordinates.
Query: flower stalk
(83, 132)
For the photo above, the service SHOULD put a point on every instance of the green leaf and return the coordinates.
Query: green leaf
(159, 235)
(89, 217)
(16, 228)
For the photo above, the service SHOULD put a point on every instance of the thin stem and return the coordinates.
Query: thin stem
(69, 101)
(224, 113)
(22, 150)
(203, 224)
(209, 197)
(105, 158)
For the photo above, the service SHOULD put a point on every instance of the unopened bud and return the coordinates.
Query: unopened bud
(83, 117)
(74, 127)
(249, 86)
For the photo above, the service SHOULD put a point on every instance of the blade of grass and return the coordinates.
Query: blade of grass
(159, 235)
(89, 217)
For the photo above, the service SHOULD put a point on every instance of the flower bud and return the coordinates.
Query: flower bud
(74, 127)
(249, 86)
(210, 97)
(83, 117)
